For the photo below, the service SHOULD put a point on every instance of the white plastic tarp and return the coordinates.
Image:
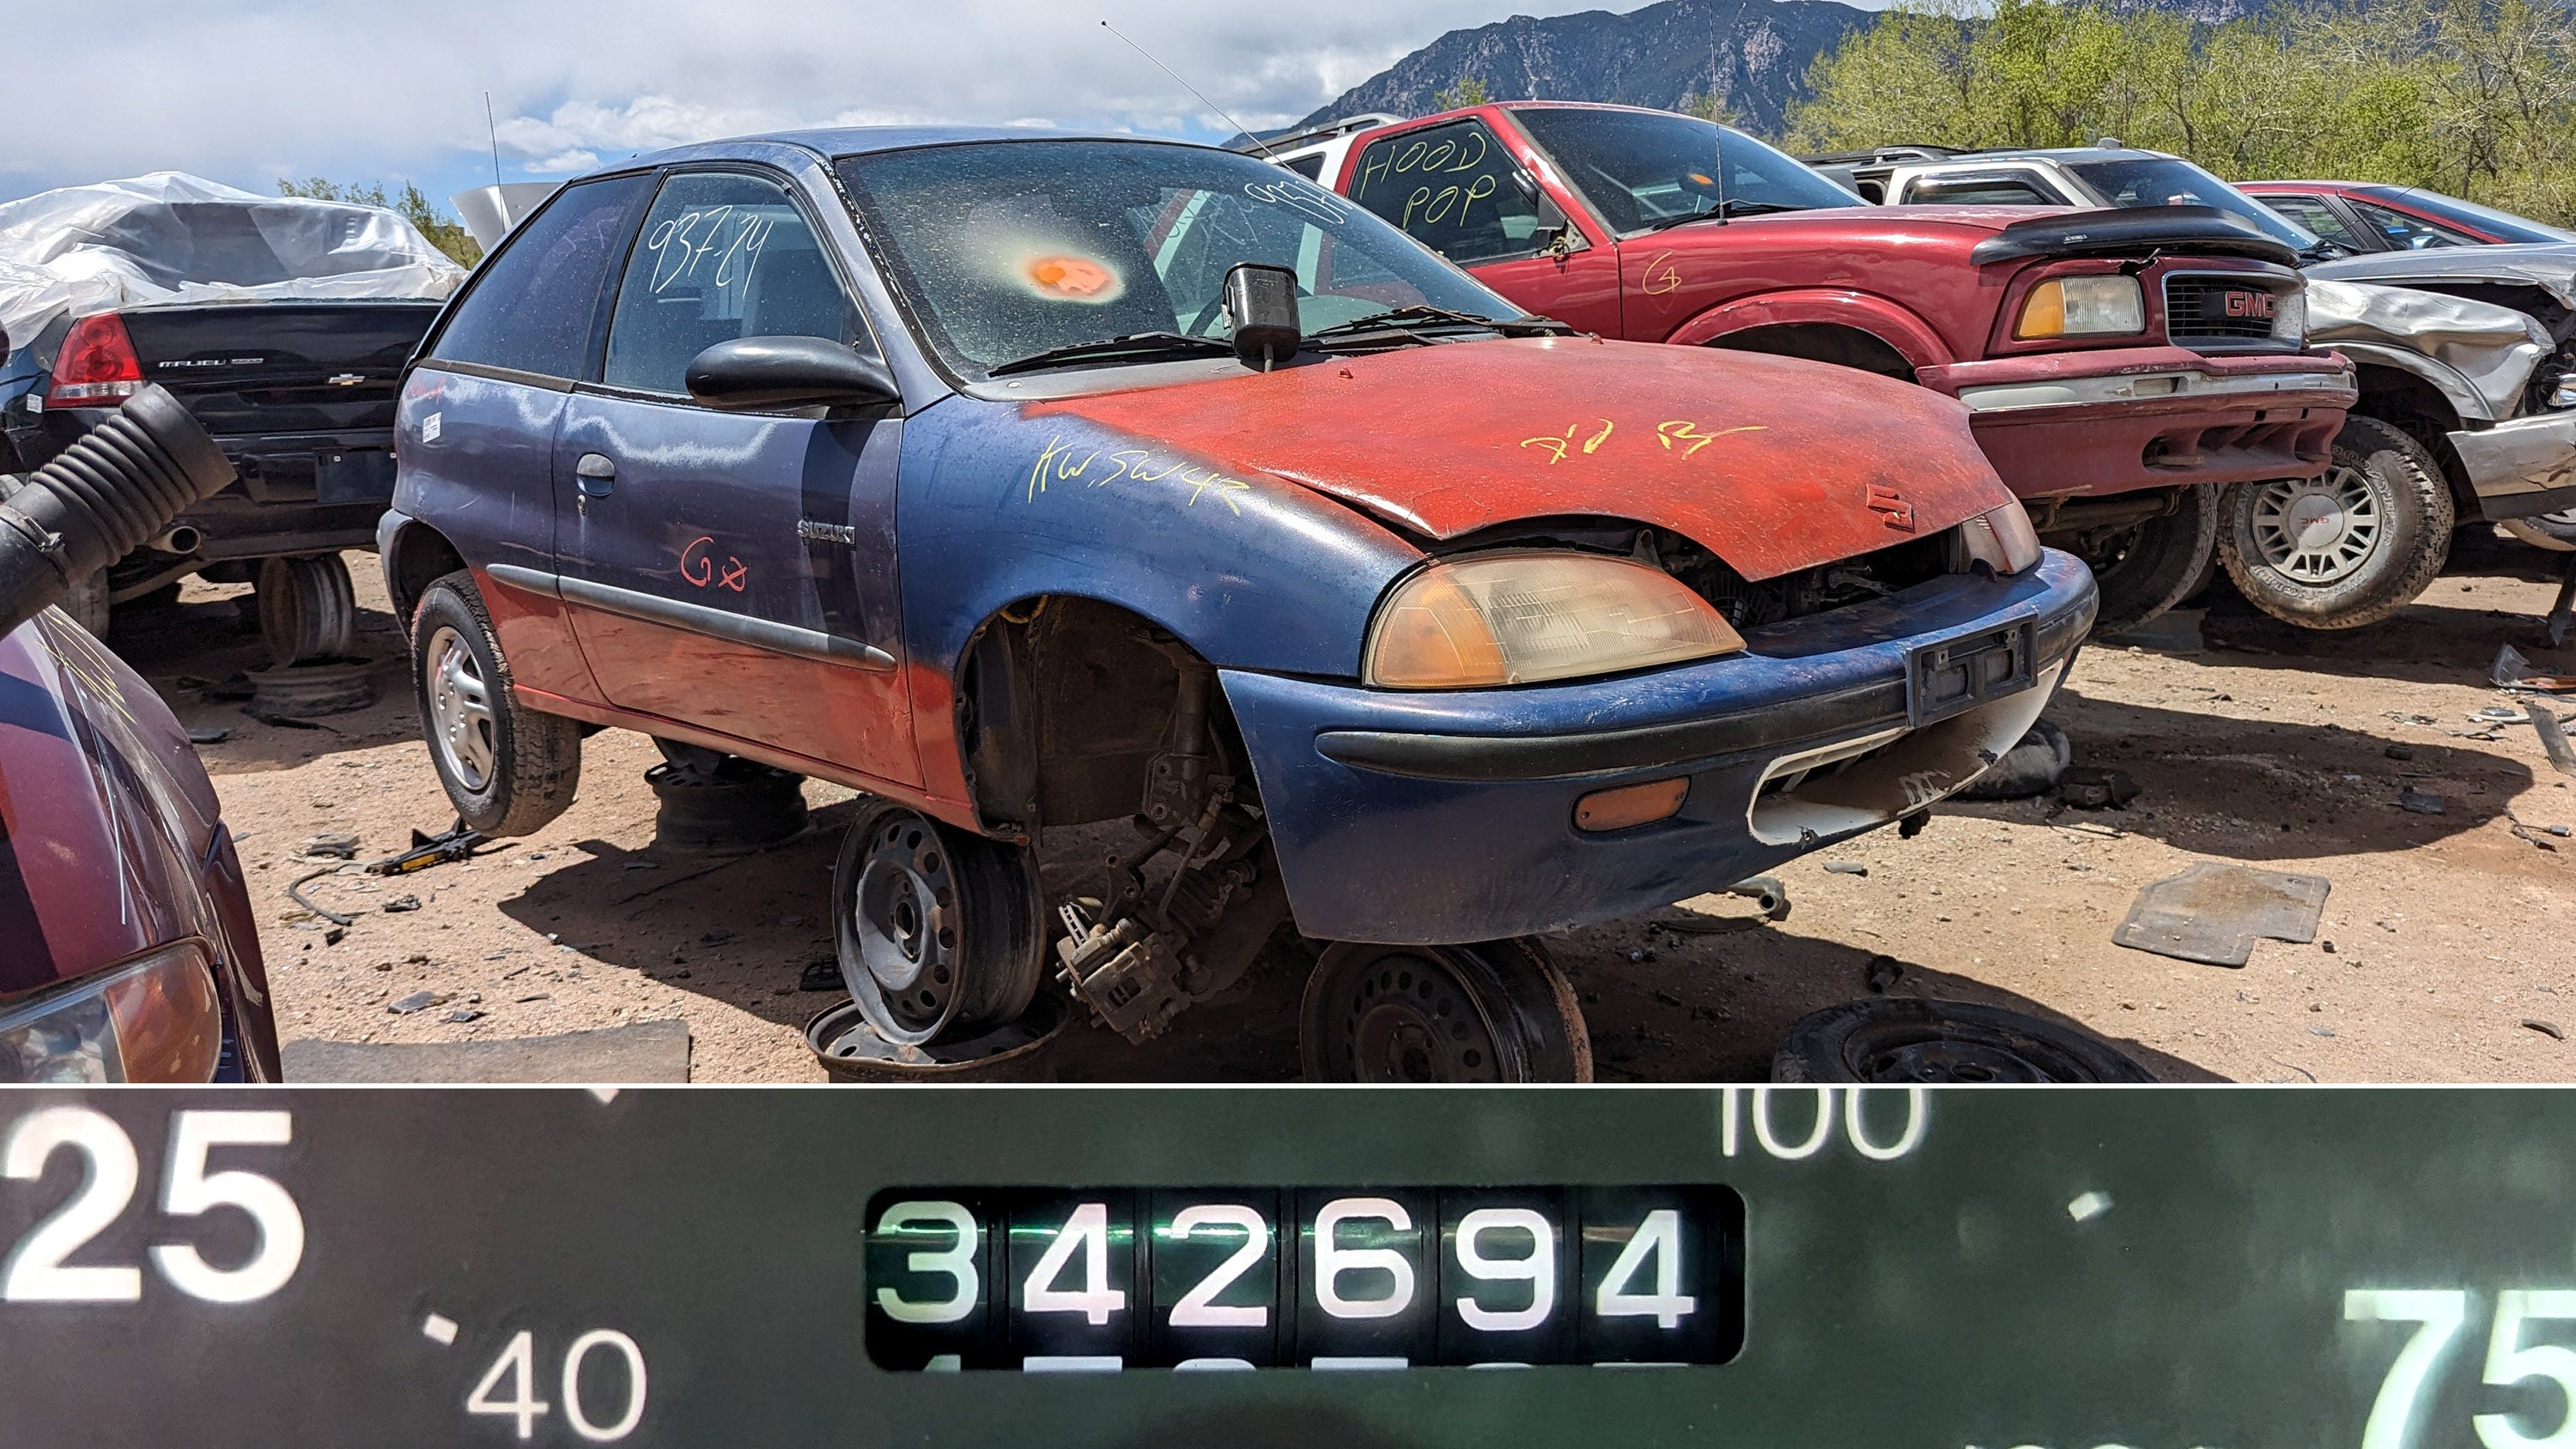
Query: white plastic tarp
(170, 237)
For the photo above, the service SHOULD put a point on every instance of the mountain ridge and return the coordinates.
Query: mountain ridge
(1752, 54)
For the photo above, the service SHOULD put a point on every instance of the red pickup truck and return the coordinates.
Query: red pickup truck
(2120, 366)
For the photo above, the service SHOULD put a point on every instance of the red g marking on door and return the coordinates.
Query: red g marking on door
(698, 566)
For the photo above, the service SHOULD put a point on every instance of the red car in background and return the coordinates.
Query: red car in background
(2119, 366)
(2367, 216)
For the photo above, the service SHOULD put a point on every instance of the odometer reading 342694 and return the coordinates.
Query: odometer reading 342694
(1051, 1279)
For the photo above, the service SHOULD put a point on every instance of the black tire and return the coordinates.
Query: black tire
(2145, 570)
(1908, 1040)
(2029, 769)
(308, 608)
(1498, 1011)
(2382, 479)
(939, 930)
(2553, 531)
(508, 769)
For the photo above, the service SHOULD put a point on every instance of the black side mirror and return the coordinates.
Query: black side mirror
(1555, 232)
(1261, 300)
(751, 374)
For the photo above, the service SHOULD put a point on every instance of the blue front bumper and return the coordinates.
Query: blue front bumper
(1443, 817)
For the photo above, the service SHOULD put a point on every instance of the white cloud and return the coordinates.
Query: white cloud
(248, 90)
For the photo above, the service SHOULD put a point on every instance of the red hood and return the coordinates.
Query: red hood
(1771, 463)
(103, 810)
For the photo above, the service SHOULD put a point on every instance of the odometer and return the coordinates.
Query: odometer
(1049, 1280)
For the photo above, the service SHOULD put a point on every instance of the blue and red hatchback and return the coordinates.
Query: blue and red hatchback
(1025, 481)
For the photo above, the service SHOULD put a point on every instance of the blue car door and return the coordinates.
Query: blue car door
(734, 571)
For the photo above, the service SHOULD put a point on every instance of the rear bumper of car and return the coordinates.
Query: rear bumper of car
(304, 492)
(2522, 467)
(1450, 817)
(2120, 419)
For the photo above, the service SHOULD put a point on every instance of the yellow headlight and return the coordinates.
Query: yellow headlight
(1522, 618)
(2082, 307)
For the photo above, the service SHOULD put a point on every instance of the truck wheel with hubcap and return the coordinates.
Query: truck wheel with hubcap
(2148, 568)
(2349, 548)
(1496, 1011)
(307, 608)
(937, 928)
(508, 769)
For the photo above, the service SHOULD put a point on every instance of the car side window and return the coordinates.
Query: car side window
(1310, 166)
(722, 255)
(2314, 214)
(1455, 189)
(2409, 233)
(1977, 191)
(532, 305)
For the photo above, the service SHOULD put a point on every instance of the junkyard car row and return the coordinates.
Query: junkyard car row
(1709, 516)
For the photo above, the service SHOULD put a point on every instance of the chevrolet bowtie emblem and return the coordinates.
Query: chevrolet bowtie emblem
(1887, 501)
(346, 379)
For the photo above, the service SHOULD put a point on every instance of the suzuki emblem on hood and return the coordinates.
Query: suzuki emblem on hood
(1885, 500)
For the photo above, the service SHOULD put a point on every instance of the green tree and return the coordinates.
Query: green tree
(444, 232)
(1708, 105)
(1469, 91)
(2472, 97)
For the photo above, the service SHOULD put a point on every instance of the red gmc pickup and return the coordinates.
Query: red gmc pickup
(2120, 366)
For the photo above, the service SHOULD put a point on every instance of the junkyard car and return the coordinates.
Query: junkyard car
(2464, 356)
(280, 322)
(2111, 385)
(998, 476)
(2365, 216)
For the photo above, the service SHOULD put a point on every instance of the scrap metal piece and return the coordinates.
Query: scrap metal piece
(2420, 802)
(2091, 787)
(1768, 892)
(2213, 912)
(2553, 738)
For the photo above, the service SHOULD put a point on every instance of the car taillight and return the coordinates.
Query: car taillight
(96, 366)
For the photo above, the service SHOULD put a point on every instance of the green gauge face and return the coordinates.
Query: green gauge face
(1915, 1269)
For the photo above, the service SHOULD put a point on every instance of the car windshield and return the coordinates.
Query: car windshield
(2165, 181)
(1007, 249)
(1642, 168)
(2468, 213)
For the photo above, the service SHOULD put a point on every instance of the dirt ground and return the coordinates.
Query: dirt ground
(2444, 950)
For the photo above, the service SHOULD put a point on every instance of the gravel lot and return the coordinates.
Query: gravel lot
(2445, 934)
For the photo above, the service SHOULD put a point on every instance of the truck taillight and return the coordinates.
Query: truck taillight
(96, 366)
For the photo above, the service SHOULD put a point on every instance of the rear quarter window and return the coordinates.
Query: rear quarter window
(532, 307)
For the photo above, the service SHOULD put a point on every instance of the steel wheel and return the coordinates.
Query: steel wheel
(1495, 1012)
(937, 929)
(461, 726)
(2316, 530)
(1907, 1040)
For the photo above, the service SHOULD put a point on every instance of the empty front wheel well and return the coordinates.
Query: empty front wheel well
(421, 556)
(1069, 709)
(1822, 342)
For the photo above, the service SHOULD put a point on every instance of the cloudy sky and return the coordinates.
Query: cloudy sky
(247, 91)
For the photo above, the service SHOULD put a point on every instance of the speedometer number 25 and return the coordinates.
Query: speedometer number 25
(38, 1267)
(2439, 1314)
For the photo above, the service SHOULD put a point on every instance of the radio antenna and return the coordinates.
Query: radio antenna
(1721, 137)
(1266, 153)
(495, 132)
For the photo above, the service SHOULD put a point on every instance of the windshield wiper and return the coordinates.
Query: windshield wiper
(1422, 316)
(1134, 347)
(1733, 207)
